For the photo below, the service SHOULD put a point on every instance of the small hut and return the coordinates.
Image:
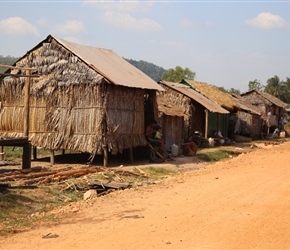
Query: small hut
(248, 120)
(272, 108)
(170, 117)
(85, 99)
(195, 108)
(220, 98)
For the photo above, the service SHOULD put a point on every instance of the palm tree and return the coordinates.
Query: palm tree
(275, 87)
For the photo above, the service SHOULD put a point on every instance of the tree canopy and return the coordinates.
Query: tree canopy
(255, 85)
(150, 69)
(7, 60)
(177, 74)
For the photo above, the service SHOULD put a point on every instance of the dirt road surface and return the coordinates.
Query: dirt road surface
(241, 203)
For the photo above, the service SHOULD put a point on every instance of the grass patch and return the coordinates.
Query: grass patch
(215, 156)
(157, 172)
(21, 208)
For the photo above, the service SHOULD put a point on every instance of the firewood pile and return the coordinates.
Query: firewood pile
(112, 178)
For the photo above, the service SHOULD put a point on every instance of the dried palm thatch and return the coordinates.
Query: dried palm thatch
(214, 94)
(71, 105)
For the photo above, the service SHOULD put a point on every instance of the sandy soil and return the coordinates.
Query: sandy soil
(241, 203)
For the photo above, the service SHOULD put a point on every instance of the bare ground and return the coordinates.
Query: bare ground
(241, 203)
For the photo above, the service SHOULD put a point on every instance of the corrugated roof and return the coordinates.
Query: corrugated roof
(111, 66)
(107, 63)
(186, 90)
(269, 97)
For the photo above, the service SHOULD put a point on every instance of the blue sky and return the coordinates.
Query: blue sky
(226, 43)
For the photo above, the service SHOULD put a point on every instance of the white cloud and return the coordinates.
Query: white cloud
(70, 27)
(18, 26)
(267, 20)
(123, 20)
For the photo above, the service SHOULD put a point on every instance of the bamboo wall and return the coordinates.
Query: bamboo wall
(71, 106)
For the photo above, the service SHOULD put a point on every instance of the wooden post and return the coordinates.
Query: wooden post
(34, 153)
(52, 159)
(26, 156)
(26, 105)
(131, 154)
(206, 124)
(1, 153)
(106, 158)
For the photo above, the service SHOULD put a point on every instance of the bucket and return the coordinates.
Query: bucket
(211, 142)
(174, 150)
(282, 134)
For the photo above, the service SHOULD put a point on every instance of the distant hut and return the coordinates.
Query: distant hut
(222, 99)
(243, 119)
(85, 99)
(170, 117)
(272, 107)
(248, 120)
(194, 107)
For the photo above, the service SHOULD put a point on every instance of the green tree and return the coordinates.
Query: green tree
(275, 87)
(150, 69)
(285, 96)
(230, 91)
(177, 74)
(255, 85)
(7, 60)
(234, 91)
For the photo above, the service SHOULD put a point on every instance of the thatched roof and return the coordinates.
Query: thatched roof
(191, 93)
(268, 97)
(246, 105)
(168, 108)
(214, 94)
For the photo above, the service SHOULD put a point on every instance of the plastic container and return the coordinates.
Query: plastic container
(174, 150)
(211, 142)
(282, 134)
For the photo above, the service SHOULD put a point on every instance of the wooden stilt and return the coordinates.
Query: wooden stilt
(1, 153)
(106, 157)
(34, 150)
(131, 154)
(26, 157)
(52, 160)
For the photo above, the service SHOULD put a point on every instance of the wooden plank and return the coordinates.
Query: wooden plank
(15, 67)
(18, 75)
(13, 141)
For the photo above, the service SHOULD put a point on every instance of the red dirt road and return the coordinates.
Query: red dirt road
(242, 203)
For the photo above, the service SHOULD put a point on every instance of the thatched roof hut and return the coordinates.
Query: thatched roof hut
(170, 117)
(244, 118)
(262, 99)
(272, 108)
(85, 99)
(195, 108)
(248, 120)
